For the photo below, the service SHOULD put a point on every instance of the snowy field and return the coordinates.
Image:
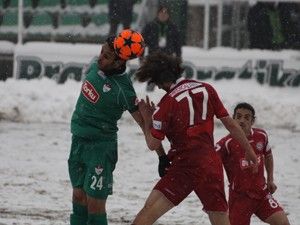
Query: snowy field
(35, 141)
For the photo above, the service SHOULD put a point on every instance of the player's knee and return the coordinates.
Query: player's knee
(79, 196)
(96, 206)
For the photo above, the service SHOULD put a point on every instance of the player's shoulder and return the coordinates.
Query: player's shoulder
(223, 143)
(208, 86)
(92, 66)
(183, 85)
(225, 139)
(258, 131)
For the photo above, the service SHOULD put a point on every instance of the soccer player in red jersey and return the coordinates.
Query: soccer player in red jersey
(250, 193)
(185, 115)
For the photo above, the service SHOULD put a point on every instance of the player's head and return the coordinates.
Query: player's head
(244, 114)
(109, 62)
(160, 69)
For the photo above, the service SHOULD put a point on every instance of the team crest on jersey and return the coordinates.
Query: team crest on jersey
(98, 169)
(157, 125)
(259, 146)
(90, 92)
(106, 87)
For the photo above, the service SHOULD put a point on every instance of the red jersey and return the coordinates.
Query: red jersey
(185, 115)
(240, 176)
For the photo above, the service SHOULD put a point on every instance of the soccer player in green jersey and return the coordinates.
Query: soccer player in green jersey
(105, 94)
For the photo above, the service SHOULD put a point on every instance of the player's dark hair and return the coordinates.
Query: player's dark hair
(122, 63)
(244, 105)
(110, 42)
(159, 68)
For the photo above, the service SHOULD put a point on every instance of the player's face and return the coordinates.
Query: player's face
(245, 119)
(106, 59)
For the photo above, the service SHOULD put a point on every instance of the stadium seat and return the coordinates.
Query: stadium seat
(4, 3)
(70, 27)
(15, 3)
(77, 2)
(41, 19)
(101, 2)
(99, 19)
(49, 3)
(9, 26)
(10, 19)
(78, 6)
(70, 19)
(41, 27)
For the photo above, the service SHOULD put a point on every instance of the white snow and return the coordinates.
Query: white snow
(35, 142)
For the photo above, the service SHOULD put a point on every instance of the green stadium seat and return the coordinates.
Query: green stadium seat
(10, 19)
(41, 18)
(49, 3)
(41, 27)
(70, 28)
(99, 19)
(70, 19)
(9, 26)
(70, 25)
(78, 2)
(15, 3)
(102, 2)
(4, 4)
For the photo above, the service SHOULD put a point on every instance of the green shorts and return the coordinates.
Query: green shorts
(91, 165)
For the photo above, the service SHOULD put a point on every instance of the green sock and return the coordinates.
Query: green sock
(97, 219)
(79, 215)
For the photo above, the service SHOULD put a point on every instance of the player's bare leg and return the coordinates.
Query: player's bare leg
(79, 214)
(218, 218)
(96, 211)
(278, 218)
(156, 205)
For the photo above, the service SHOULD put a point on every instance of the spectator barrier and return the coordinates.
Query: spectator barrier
(69, 61)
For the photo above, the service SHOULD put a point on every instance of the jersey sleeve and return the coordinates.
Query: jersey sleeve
(219, 109)
(267, 150)
(160, 118)
(129, 100)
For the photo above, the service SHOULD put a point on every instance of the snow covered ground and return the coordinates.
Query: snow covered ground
(35, 141)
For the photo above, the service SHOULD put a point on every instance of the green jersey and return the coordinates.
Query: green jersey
(101, 103)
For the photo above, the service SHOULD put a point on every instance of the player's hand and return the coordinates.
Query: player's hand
(150, 103)
(146, 108)
(163, 165)
(252, 159)
(271, 186)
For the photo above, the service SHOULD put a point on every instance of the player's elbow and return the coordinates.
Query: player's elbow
(153, 143)
(153, 146)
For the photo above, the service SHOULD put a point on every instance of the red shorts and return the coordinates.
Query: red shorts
(241, 208)
(204, 176)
